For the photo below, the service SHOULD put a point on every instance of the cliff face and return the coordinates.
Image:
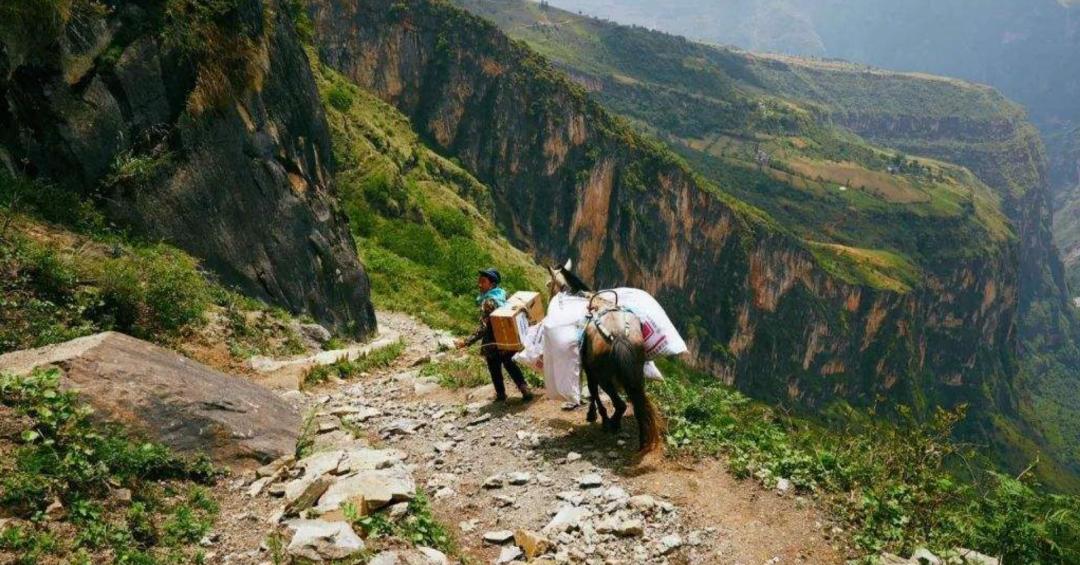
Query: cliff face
(1005, 151)
(755, 301)
(219, 148)
(702, 111)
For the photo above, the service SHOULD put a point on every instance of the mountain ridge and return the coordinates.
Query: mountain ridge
(468, 103)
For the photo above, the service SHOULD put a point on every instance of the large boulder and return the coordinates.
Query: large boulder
(170, 398)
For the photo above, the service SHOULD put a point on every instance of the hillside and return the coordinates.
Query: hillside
(758, 274)
(147, 109)
(797, 102)
(1024, 48)
(422, 223)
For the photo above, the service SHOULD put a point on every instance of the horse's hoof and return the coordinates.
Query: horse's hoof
(590, 417)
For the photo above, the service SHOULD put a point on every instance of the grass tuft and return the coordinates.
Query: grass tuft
(346, 368)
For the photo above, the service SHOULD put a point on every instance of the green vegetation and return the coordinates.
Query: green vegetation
(895, 487)
(772, 148)
(878, 269)
(53, 295)
(251, 328)
(69, 273)
(346, 369)
(419, 527)
(469, 372)
(64, 461)
(135, 171)
(222, 42)
(424, 225)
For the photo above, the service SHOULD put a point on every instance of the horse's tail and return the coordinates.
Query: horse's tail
(630, 360)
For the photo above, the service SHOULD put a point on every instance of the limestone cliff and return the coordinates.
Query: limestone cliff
(757, 303)
(196, 124)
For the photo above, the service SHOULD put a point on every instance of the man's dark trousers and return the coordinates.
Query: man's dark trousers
(495, 362)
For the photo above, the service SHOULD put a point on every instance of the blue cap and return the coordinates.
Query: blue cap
(491, 275)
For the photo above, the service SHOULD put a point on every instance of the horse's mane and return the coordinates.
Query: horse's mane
(574, 282)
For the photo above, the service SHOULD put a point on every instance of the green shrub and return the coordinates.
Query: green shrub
(891, 482)
(418, 243)
(47, 296)
(384, 194)
(50, 202)
(65, 456)
(451, 222)
(152, 290)
(339, 97)
(134, 171)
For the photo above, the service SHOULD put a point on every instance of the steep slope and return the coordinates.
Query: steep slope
(1065, 167)
(423, 224)
(190, 122)
(931, 116)
(1025, 48)
(778, 316)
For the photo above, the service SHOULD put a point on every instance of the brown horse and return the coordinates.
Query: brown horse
(613, 357)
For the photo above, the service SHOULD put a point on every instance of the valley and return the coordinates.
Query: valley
(295, 196)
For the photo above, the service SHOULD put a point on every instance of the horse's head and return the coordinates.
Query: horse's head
(558, 282)
(564, 280)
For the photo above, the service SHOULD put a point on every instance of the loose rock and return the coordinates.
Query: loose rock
(592, 480)
(532, 543)
(318, 540)
(498, 537)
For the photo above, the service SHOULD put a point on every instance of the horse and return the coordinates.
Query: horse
(613, 357)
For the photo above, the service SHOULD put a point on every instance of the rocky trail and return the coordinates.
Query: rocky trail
(513, 482)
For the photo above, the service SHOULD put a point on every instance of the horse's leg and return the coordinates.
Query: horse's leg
(619, 406)
(594, 398)
(591, 379)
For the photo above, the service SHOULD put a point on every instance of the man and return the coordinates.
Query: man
(491, 297)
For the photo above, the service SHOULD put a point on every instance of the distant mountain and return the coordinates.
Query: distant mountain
(1028, 49)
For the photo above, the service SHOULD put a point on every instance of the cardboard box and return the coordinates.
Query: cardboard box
(531, 303)
(510, 324)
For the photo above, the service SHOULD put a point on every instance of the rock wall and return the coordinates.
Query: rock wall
(568, 179)
(108, 108)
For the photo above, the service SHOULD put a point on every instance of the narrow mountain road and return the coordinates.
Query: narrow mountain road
(492, 469)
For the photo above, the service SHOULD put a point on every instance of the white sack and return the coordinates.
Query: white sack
(562, 329)
(533, 353)
(661, 337)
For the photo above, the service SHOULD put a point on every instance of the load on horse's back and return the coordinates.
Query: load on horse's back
(613, 357)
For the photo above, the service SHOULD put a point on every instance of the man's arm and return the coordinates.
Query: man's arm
(486, 309)
(476, 335)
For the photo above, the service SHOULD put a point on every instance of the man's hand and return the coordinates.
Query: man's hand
(459, 343)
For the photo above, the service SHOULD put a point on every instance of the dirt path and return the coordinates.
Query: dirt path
(490, 468)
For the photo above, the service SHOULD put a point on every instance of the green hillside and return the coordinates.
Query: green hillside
(423, 224)
(727, 116)
(780, 133)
